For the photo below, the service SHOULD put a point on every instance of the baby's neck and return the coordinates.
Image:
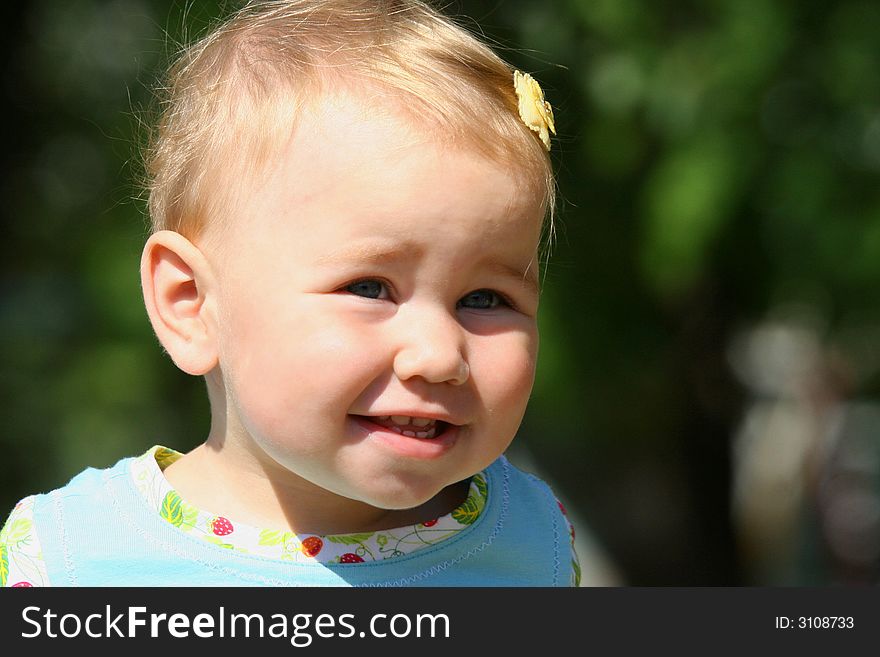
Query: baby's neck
(249, 496)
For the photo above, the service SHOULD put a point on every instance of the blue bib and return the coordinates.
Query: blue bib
(99, 531)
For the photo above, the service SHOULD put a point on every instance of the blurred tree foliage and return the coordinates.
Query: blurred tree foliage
(718, 160)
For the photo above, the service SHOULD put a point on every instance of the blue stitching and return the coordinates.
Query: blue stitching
(554, 505)
(65, 546)
(437, 568)
(556, 563)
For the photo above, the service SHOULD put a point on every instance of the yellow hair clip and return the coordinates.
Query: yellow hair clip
(535, 112)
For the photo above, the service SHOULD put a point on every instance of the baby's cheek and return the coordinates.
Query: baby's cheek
(305, 372)
(504, 370)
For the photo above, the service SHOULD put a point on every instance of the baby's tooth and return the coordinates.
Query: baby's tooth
(421, 421)
(430, 433)
(396, 429)
(411, 434)
(421, 434)
(400, 419)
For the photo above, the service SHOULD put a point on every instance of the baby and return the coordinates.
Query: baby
(348, 201)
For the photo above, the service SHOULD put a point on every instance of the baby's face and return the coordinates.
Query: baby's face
(379, 285)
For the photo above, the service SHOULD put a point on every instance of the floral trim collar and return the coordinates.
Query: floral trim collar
(287, 546)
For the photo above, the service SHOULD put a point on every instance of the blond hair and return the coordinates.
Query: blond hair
(232, 98)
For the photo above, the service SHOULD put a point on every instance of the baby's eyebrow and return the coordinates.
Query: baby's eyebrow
(527, 277)
(369, 253)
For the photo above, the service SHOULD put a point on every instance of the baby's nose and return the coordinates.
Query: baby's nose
(432, 347)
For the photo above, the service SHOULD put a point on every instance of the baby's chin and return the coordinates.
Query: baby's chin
(407, 497)
(400, 499)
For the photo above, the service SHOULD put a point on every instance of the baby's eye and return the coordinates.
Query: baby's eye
(369, 288)
(482, 300)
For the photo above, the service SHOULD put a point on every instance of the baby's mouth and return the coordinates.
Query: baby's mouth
(414, 427)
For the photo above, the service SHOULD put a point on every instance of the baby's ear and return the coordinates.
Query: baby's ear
(177, 284)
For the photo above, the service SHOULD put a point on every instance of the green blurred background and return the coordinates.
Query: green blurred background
(706, 403)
